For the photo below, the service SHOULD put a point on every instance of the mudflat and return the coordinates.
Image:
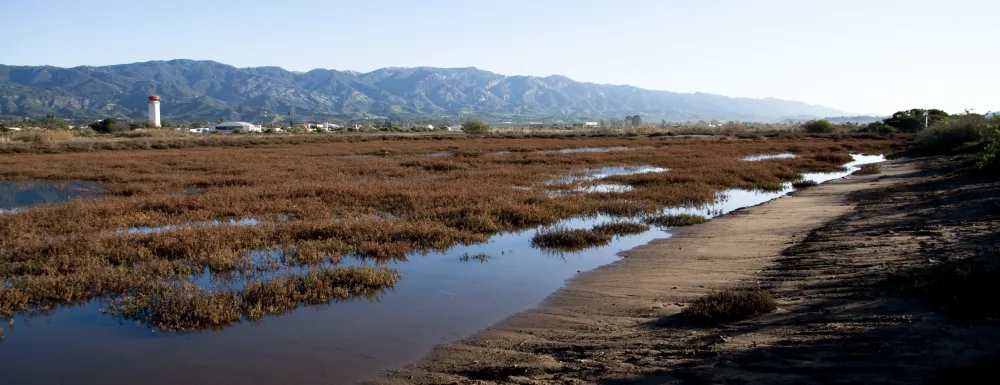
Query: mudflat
(825, 253)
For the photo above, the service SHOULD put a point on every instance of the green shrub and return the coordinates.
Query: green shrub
(989, 157)
(944, 137)
(108, 126)
(475, 127)
(879, 127)
(819, 127)
(729, 305)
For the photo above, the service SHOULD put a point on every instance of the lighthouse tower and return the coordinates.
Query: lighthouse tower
(154, 110)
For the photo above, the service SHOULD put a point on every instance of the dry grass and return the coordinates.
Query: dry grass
(314, 208)
(621, 228)
(158, 133)
(729, 305)
(803, 184)
(570, 239)
(41, 136)
(677, 220)
(563, 239)
(188, 307)
(869, 169)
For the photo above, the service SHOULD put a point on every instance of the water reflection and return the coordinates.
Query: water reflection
(582, 150)
(593, 174)
(245, 221)
(760, 157)
(16, 196)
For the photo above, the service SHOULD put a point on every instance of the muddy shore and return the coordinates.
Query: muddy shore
(822, 252)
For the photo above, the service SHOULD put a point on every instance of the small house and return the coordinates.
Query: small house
(240, 126)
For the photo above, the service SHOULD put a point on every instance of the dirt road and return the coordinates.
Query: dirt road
(822, 252)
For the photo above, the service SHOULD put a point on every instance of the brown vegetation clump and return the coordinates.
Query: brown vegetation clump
(621, 228)
(729, 305)
(312, 206)
(869, 169)
(676, 220)
(578, 239)
(188, 307)
(803, 184)
(570, 239)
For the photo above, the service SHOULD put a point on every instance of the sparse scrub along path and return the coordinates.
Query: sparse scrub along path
(824, 253)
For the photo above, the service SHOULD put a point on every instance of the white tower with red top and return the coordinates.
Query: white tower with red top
(154, 110)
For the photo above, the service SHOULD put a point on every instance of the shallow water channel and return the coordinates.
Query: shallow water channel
(15, 196)
(442, 297)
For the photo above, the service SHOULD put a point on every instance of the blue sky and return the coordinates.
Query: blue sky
(861, 56)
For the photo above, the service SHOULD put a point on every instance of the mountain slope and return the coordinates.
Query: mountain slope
(209, 90)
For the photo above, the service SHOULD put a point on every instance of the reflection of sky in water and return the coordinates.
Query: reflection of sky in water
(158, 229)
(440, 299)
(20, 195)
(592, 174)
(583, 150)
(760, 157)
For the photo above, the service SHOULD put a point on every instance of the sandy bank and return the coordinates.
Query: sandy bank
(607, 324)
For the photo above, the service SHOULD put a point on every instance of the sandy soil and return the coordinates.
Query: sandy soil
(823, 252)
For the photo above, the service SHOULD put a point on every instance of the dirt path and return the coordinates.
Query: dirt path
(615, 324)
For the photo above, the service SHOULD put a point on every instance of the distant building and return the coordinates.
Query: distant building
(591, 124)
(154, 110)
(457, 127)
(233, 126)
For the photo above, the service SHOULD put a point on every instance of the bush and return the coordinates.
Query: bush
(475, 127)
(729, 305)
(819, 127)
(948, 135)
(108, 126)
(42, 136)
(84, 133)
(879, 127)
(622, 228)
(676, 220)
(803, 184)
(989, 157)
(570, 239)
(869, 169)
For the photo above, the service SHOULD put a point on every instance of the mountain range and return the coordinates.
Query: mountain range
(207, 90)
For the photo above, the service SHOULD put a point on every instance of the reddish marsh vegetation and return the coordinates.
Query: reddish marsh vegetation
(313, 207)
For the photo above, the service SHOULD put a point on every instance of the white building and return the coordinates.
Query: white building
(154, 110)
(233, 126)
(591, 124)
(457, 127)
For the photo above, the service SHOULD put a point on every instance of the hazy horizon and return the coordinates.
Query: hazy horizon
(861, 57)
